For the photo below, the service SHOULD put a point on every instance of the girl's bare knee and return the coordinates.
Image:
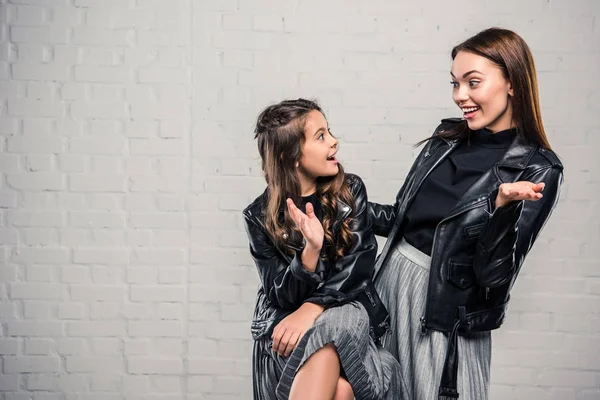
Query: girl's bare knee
(343, 390)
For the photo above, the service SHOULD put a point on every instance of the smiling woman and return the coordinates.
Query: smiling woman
(468, 214)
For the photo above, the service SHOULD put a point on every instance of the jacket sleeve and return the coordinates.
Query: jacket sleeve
(351, 273)
(511, 231)
(286, 284)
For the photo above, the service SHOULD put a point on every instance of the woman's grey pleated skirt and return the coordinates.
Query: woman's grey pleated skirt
(402, 285)
(371, 371)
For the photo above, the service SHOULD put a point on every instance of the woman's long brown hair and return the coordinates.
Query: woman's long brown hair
(280, 134)
(512, 55)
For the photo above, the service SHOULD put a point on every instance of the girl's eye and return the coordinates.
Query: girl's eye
(454, 84)
(320, 137)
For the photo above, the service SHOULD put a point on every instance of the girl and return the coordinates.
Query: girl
(316, 305)
(464, 220)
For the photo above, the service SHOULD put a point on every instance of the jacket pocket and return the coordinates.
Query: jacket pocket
(460, 273)
(473, 230)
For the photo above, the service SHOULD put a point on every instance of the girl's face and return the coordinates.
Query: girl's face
(482, 92)
(318, 150)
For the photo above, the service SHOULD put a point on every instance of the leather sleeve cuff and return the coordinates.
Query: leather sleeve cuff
(302, 274)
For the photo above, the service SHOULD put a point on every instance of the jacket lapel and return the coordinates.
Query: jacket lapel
(508, 169)
(430, 159)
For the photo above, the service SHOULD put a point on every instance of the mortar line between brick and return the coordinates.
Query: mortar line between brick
(188, 150)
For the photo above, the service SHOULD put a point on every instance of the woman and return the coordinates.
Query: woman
(468, 213)
(316, 305)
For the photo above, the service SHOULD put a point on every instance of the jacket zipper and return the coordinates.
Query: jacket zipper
(428, 298)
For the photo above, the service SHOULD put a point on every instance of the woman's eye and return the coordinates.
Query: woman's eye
(473, 83)
(454, 84)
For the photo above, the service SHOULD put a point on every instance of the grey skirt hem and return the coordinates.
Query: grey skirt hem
(372, 373)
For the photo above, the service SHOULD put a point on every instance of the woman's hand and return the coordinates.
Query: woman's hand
(288, 332)
(516, 191)
(309, 225)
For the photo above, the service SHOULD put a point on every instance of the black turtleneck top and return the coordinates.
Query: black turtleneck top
(445, 185)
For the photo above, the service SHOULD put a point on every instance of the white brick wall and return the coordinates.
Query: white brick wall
(126, 155)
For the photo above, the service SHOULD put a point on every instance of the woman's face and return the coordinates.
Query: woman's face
(482, 92)
(319, 148)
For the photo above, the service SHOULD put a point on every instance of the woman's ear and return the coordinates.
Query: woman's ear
(511, 92)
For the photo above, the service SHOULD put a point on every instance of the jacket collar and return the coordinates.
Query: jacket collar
(258, 209)
(508, 169)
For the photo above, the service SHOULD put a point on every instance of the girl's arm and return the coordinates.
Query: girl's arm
(286, 284)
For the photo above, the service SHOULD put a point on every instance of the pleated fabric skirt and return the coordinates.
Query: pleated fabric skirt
(372, 372)
(402, 285)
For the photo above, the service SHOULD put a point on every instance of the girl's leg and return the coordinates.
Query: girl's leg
(343, 390)
(318, 378)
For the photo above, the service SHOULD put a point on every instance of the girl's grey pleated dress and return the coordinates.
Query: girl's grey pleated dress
(402, 285)
(371, 371)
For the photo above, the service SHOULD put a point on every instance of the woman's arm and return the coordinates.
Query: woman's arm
(512, 229)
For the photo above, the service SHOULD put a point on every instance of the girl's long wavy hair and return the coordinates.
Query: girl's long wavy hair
(512, 55)
(280, 135)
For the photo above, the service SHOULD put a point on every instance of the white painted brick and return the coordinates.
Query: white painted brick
(104, 145)
(169, 311)
(39, 219)
(39, 347)
(31, 364)
(74, 274)
(9, 346)
(101, 256)
(158, 294)
(36, 181)
(10, 163)
(158, 256)
(35, 144)
(92, 364)
(101, 37)
(204, 312)
(74, 311)
(9, 382)
(154, 366)
(39, 163)
(36, 310)
(36, 108)
(95, 329)
(171, 275)
(171, 147)
(31, 70)
(31, 34)
(39, 273)
(41, 255)
(164, 220)
(37, 291)
(105, 382)
(155, 329)
(97, 293)
(142, 275)
(96, 220)
(105, 311)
